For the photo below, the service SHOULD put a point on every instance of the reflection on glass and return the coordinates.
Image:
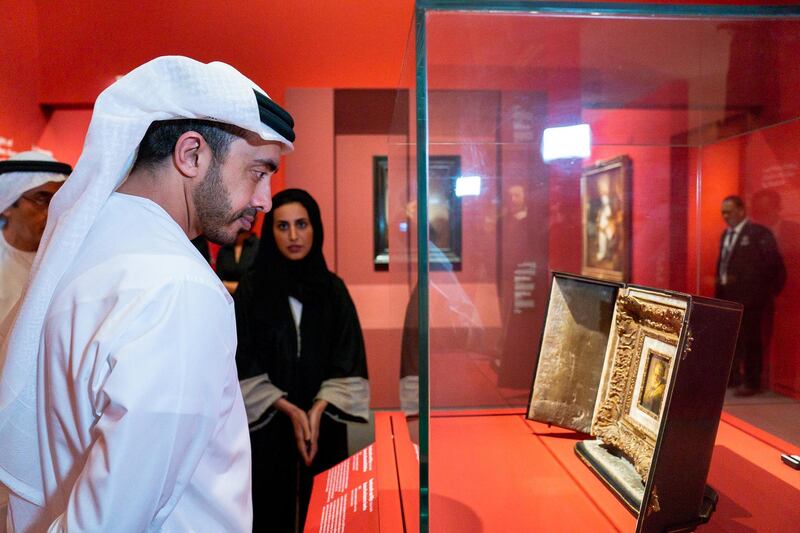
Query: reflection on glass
(690, 124)
(713, 114)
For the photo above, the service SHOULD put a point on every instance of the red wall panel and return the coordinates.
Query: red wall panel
(302, 43)
(65, 132)
(770, 161)
(21, 118)
(720, 170)
(310, 166)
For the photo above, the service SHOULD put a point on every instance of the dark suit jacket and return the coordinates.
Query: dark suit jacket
(756, 272)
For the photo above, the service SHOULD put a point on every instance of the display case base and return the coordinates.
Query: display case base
(615, 470)
(621, 477)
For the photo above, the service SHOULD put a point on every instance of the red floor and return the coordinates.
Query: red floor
(503, 473)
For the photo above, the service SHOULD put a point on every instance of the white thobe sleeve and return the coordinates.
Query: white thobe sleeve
(158, 406)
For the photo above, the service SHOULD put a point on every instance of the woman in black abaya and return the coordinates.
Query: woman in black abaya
(302, 365)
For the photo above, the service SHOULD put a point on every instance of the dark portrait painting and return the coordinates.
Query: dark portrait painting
(655, 382)
(605, 199)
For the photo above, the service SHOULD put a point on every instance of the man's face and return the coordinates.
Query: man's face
(26, 219)
(230, 195)
(731, 213)
(517, 195)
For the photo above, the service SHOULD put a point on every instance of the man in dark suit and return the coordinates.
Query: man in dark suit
(750, 271)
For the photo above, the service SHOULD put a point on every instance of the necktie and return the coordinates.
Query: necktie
(727, 244)
(727, 247)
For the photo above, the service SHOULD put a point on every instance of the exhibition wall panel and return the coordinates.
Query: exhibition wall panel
(771, 188)
(312, 110)
(719, 174)
(307, 44)
(65, 132)
(21, 118)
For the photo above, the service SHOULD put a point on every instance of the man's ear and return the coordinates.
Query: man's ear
(191, 155)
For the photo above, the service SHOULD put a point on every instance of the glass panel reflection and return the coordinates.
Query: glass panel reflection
(708, 116)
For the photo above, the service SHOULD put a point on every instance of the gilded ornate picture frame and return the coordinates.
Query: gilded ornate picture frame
(637, 376)
(606, 216)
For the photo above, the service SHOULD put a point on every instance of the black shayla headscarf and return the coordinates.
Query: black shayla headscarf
(274, 271)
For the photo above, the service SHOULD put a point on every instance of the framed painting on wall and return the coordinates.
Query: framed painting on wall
(444, 212)
(606, 216)
(380, 207)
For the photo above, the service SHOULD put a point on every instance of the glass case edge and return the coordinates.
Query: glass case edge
(610, 8)
(422, 265)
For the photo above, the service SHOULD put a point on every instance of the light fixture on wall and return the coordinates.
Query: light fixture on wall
(567, 142)
(468, 186)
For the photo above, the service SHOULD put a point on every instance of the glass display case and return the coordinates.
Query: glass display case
(617, 141)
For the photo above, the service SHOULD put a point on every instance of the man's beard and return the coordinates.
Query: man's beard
(213, 206)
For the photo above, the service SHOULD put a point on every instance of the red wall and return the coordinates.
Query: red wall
(310, 166)
(771, 160)
(720, 171)
(64, 133)
(764, 159)
(647, 135)
(654, 216)
(21, 118)
(302, 43)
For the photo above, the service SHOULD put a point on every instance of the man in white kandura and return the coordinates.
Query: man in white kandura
(120, 408)
(27, 183)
